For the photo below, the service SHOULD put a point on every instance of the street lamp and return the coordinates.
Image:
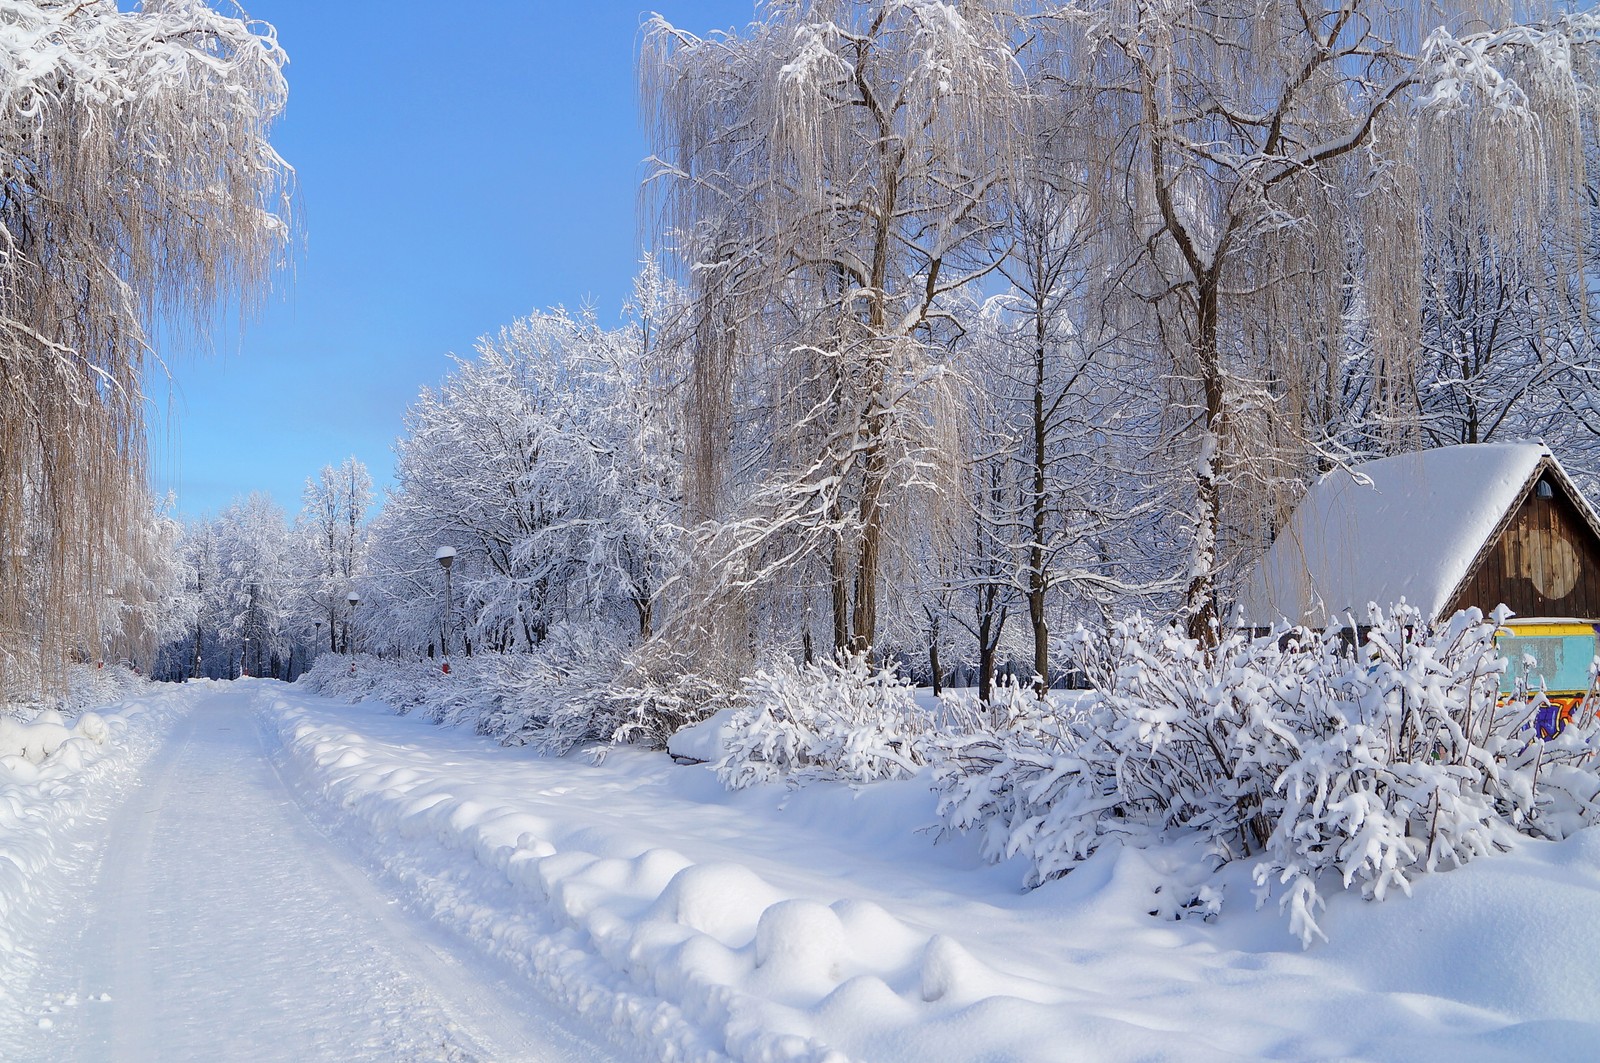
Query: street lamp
(244, 658)
(354, 599)
(445, 555)
(194, 668)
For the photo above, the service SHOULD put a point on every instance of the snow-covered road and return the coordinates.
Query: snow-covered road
(287, 877)
(224, 926)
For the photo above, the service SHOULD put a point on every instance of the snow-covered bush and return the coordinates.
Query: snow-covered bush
(844, 720)
(1167, 746)
(87, 686)
(464, 696)
(557, 699)
(403, 685)
(91, 686)
(1394, 762)
(588, 691)
(1019, 785)
(1371, 764)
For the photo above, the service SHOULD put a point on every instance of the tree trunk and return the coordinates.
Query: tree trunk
(865, 619)
(839, 585)
(986, 648)
(1036, 575)
(1201, 599)
(864, 622)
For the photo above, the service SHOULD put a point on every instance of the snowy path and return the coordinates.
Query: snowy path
(225, 927)
(301, 879)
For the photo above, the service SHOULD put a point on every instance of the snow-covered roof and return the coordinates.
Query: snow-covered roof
(1407, 527)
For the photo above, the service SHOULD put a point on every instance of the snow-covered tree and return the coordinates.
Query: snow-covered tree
(551, 464)
(255, 586)
(1077, 408)
(136, 180)
(330, 544)
(825, 177)
(1260, 176)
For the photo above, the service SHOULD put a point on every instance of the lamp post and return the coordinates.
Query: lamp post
(194, 668)
(316, 645)
(354, 599)
(244, 658)
(445, 555)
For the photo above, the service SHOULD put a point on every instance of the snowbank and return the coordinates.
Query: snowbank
(555, 700)
(825, 924)
(57, 786)
(87, 687)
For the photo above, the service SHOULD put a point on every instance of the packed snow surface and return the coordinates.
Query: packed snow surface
(58, 786)
(447, 897)
(1406, 527)
(222, 925)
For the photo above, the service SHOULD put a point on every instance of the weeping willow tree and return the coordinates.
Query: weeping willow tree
(137, 184)
(1262, 171)
(825, 177)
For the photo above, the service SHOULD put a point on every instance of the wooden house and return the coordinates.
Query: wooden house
(1444, 529)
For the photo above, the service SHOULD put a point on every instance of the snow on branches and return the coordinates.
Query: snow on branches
(136, 180)
(845, 720)
(1320, 761)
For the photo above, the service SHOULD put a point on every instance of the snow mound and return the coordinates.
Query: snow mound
(47, 735)
(57, 785)
(819, 924)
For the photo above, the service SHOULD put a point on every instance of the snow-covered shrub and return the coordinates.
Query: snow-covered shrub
(588, 692)
(561, 697)
(1168, 745)
(88, 686)
(91, 686)
(403, 685)
(845, 720)
(463, 696)
(1020, 785)
(1319, 760)
(1394, 764)
(1563, 773)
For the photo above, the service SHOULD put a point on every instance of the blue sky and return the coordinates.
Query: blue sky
(460, 165)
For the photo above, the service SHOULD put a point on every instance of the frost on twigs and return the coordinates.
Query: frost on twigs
(847, 720)
(1320, 761)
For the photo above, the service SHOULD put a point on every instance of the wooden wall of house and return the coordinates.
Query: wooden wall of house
(1546, 563)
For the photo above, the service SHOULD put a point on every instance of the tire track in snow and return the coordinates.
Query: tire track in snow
(225, 926)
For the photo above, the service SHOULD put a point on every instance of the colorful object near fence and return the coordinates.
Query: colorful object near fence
(1553, 656)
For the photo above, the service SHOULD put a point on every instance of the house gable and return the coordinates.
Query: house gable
(1544, 558)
